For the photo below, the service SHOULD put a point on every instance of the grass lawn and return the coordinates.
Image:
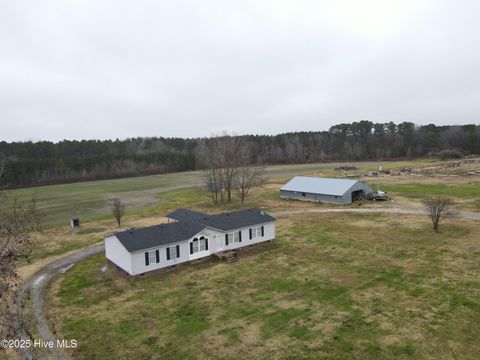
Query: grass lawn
(419, 190)
(466, 194)
(92, 200)
(332, 288)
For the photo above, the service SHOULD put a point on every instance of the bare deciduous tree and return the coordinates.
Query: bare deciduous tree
(213, 182)
(247, 178)
(247, 175)
(438, 208)
(221, 162)
(118, 209)
(18, 220)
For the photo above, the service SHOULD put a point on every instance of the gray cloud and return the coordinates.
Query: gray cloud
(107, 69)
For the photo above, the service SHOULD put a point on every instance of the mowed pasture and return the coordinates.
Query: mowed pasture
(336, 286)
(92, 200)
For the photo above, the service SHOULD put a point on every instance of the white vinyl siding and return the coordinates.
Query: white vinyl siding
(116, 253)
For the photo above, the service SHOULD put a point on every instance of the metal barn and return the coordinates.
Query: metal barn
(325, 190)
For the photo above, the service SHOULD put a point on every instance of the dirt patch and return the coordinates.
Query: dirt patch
(371, 224)
(290, 304)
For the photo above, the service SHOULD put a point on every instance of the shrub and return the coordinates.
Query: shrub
(450, 154)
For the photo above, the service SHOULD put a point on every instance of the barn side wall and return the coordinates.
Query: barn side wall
(322, 198)
(345, 199)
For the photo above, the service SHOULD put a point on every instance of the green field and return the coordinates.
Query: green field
(332, 288)
(91, 200)
(469, 192)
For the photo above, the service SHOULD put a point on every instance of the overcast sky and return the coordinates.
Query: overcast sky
(108, 69)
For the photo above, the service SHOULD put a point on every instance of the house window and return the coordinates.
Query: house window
(152, 257)
(198, 245)
(203, 244)
(173, 252)
(256, 232)
(234, 237)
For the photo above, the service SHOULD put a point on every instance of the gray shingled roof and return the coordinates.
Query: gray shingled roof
(318, 185)
(226, 221)
(189, 224)
(158, 235)
(187, 215)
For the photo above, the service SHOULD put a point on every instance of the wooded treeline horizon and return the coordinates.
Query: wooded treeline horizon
(45, 162)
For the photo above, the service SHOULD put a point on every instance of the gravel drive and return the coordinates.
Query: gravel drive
(38, 284)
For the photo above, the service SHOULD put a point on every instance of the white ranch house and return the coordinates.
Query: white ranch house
(192, 235)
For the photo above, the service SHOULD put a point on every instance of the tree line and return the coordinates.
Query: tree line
(39, 163)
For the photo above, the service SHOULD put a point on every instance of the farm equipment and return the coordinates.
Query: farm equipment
(380, 196)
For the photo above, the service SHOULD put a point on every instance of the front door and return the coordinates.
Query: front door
(219, 242)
